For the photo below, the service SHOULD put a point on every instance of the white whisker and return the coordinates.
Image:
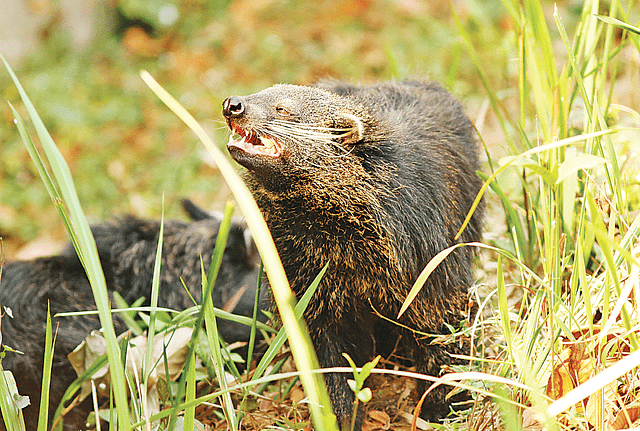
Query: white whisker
(323, 140)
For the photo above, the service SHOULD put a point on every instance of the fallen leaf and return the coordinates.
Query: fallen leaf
(265, 404)
(575, 366)
(95, 345)
(624, 416)
(382, 419)
(296, 395)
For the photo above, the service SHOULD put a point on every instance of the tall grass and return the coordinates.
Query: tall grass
(63, 194)
(572, 222)
(61, 189)
(569, 342)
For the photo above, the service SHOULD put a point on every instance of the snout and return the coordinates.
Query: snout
(233, 107)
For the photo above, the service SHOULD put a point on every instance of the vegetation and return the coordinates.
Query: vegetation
(550, 90)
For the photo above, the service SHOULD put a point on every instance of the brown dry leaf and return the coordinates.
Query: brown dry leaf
(574, 367)
(296, 395)
(95, 345)
(624, 416)
(369, 426)
(84, 355)
(578, 363)
(265, 404)
(380, 420)
(252, 422)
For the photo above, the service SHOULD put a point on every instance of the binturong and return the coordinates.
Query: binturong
(374, 180)
(127, 248)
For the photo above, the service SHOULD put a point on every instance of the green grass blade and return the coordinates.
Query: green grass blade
(206, 309)
(577, 75)
(148, 367)
(541, 32)
(502, 305)
(52, 190)
(252, 339)
(424, 275)
(209, 316)
(512, 218)
(35, 156)
(254, 327)
(298, 334)
(76, 385)
(181, 315)
(11, 414)
(127, 315)
(190, 411)
(281, 337)
(623, 25)
(86, 247)
(49, 344)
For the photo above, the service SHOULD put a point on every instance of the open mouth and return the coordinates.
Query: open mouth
(253, 143)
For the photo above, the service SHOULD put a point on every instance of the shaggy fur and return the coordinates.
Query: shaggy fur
(375, 180)
(127, 249)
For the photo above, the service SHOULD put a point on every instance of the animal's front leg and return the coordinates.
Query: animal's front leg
(330, 344)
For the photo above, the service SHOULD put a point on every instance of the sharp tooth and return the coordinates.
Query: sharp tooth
(267, 142)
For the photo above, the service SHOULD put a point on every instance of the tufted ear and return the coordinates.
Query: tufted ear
(354, 124)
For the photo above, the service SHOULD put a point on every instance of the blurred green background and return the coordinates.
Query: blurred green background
(79, 61)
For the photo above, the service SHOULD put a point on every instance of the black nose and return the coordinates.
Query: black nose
(232, 107)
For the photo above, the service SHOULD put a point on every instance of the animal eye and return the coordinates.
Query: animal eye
(282, 111)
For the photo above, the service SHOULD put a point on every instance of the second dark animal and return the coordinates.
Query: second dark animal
(127, 249)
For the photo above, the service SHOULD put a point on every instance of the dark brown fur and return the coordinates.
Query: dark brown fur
(127, 249)
(374, 180)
